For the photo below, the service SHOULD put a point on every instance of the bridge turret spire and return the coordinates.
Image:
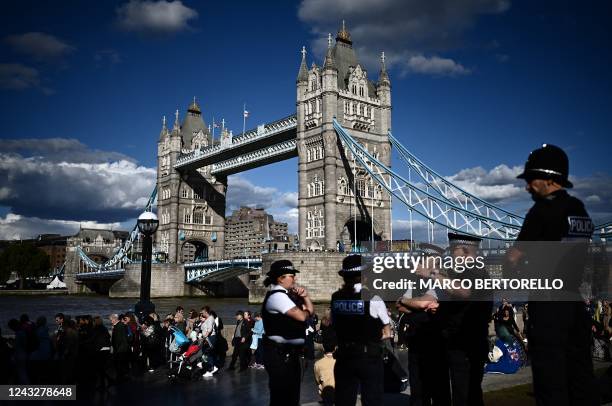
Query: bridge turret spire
(303, 73)
(164, 130)
(176, 127)
(344, 36)
(329, 59)
(383, 77)
(194, 107)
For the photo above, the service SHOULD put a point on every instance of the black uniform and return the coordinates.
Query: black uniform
(426, 361)
(282, 361)
(559, 333)
(359, 362)
(464, 330)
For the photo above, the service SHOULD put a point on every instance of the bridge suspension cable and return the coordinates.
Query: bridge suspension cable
(120, 255)
(442, 205)
(449, 190)
(603, 230)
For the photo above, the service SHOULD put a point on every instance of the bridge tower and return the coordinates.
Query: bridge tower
(329, 208)
(190, 202)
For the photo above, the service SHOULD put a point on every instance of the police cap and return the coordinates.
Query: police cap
(280, 268)
(547, 162)
(463, 239)
(352, 265)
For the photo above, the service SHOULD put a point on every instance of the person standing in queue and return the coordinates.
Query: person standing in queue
(285, 310)
(559, 346)
(361, 323)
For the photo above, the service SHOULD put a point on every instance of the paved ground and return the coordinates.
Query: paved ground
(250, 388)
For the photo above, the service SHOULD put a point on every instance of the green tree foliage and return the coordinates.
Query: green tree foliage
(24, 259)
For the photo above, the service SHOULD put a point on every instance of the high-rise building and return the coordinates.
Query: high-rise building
(248, 230)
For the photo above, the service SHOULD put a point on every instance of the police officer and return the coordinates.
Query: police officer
(361, 323)
(463, 317)
(285, 310)
(559, 333)
(427, 364)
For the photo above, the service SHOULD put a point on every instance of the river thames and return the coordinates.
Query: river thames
(76, 305)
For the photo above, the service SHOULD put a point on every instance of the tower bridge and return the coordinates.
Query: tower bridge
(341, 135)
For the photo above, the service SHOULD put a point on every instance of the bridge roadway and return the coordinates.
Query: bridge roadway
(259, 140)
(195, 272)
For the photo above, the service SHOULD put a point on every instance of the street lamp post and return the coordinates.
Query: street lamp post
(147, 225)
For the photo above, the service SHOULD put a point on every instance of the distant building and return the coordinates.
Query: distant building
(249, 232)
(54, 245)
(282, 243)
(99, 245)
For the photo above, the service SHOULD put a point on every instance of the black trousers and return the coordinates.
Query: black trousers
(353, 373)
(560, 347)
(428, 372)
(245, 354)
(236, 344)
(466, 371)
(283, 365)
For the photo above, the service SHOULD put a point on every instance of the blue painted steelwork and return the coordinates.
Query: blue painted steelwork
(120, 258)
(214, 271)
(603, 231)
(450, 191)
(437, 209)
(108, 274)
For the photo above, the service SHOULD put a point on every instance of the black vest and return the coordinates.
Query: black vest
(352, 320)
(278, 324)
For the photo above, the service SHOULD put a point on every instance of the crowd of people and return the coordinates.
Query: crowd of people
(84, 350)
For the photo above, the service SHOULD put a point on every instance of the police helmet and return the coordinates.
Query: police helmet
(352, 265)
(547, 162)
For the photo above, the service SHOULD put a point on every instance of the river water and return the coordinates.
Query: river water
(49, 306)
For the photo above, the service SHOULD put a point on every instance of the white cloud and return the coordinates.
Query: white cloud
(290, 199)
(48, 187)
(40, 46)
(15, 227)
(593, 199)
(155, 17)
(435, 66)
(404, 29)
(498, 184)
(18, 77)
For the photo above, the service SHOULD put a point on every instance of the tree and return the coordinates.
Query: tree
(26, 260)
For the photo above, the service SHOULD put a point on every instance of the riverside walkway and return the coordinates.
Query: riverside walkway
(251, 388)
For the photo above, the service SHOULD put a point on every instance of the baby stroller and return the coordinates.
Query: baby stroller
(184, 355)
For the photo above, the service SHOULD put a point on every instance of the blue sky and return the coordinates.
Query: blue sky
(476, 85)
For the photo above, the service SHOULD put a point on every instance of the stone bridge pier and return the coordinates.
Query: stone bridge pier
(318, 274)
